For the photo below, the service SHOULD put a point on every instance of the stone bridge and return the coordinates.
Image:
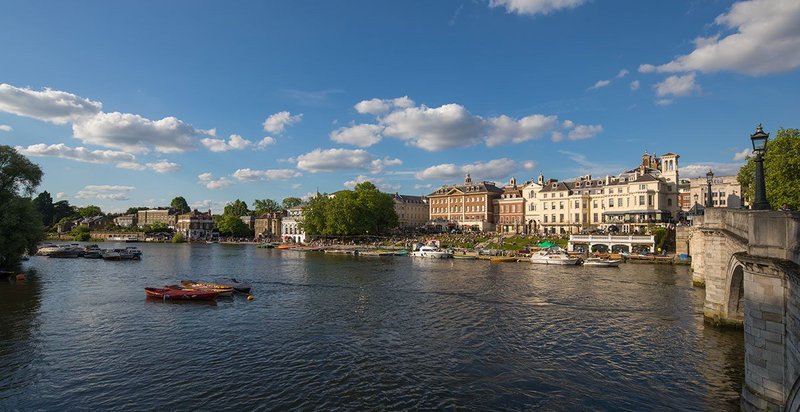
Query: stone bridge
(748, 262)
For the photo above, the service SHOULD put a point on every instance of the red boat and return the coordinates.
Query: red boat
(179, 294)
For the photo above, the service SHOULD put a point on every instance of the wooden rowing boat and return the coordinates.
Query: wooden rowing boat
(179, 294)
(220, 289)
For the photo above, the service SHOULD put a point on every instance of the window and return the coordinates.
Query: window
(577, 204)
(545, 218)
(642, 187)
(594, 204)
(553, 205)
(610, 202)
(641, 200)
(594, 218)
(619, 202)
(545, 206)
(669, 201)
(649, 200)
(544, 195)
(619, 190)
(561, 205)
(577, 217)
(561, 218)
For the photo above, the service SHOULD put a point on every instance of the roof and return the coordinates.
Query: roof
(408, 198)
(482, 187)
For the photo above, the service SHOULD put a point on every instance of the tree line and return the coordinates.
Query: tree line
(362, 211)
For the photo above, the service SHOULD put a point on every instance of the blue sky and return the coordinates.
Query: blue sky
(131, 104)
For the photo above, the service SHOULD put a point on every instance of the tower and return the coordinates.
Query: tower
(669, 167)
(467, 179)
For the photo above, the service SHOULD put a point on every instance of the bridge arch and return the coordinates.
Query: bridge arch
(734, 296)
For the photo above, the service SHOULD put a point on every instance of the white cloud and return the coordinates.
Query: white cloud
(377, 165)
(163, 166)
(234, 142)
(105, 192)
(568, 124)
(432, 129)
(586, 166)
(664, 102)
(272, 174)
(557, 136)
(379, 106)
(135, 133)
(423, 186)
(581, 132)
(766, 40)
(504, 129)
(5, 128)
(677, 86)
(361, 135)
(80, 154)
(493, 169)
(599, 84)
(743, 155)
(277, 122)
(700, 169)
(328, 160)
(207, 179)
(61, 195)
(131, 166)
(377, 181)
(635, 85)
(48, 105)
(622, 73)
(532, 7)
(529, 165)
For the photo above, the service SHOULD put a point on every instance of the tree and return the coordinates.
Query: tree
(291, 202)
(133, 210)
(20, 223)
(230, 223)
(62, 209)
(265, 206)
(362, 211)
(44, 205)
(237, 207)
(80, 233)
(179, 204)
(781, 171)
(90, 211)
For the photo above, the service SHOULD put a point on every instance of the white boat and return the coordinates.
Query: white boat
(601, 262)
(432, 252)
(553, 256)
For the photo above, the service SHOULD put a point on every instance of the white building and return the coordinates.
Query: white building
(291, 230)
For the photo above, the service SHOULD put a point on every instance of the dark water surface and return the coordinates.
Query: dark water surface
(361, 333)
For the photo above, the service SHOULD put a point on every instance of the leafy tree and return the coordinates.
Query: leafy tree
(179, 204)
(90, 211)
(62, 209)
(178, 238)
(314, 215)
(781, 171)
(265, 206)
(291, 202)
(80, 233)
(156, 227)
(20, 223)
(362, 211)
(133, 210)
(237, 208)
(44, 205)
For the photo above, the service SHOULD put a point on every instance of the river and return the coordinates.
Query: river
(360, 333)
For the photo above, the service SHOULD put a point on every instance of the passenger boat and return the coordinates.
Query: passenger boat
(220, 289)
(128, 253)
(601, 262)
(284, 247)
(431, 252)
(375, 253)
(401, 252)
(553, 256)
(66, 251)
(92, 252)
(179, 294)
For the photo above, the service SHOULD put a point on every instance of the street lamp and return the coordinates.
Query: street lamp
(759, 139)
(709, 179)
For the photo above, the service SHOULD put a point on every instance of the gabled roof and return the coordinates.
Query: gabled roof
(482, 187)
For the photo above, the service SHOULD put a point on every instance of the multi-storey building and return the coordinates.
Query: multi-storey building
(509, 209)
(268, 225)
(125, 220)
(466, 206)
(291, 226)
(150, 216)
(412, 211)
(533, 211)
(195, 225)
(725, 192)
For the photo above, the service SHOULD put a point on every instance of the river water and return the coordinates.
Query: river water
(360, 333)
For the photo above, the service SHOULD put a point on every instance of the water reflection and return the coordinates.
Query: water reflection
(365, 333)
(19, 309)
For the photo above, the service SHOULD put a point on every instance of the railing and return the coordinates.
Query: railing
(612, 239)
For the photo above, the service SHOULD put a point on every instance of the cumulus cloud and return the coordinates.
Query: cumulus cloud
(504, 129)
(379, 106)
(635, 85)
(361, 135)
(105, 192)
(80, 154)
(163, 166)
(207, 179)
(377, 181)
(529, 165)
(5, 128)
(677, 86)
(328, 160)
(576, 131)
(134, 133)
(234, 142)
(765, 40)
(423, 186)
(251, 175)
(277, 122)
(61, 195)
(439, 128)
(743, 155)
(432, 129)
(493, 169)
(664, 102)
(49, 105)
(700, 169)
(622, 73)
(533, 7)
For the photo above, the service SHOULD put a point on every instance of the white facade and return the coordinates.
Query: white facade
(291, 230)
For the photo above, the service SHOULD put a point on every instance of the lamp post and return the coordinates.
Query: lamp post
(709, 179)
(759, 139)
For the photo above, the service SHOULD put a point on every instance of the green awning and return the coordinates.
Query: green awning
(546, 244)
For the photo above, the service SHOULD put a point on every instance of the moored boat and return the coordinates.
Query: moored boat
(601, 262)
(179, 294)
(222, 290)
(237, 285)
(465, 257)
(431, 252)
(553, 256)
(498, 259)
